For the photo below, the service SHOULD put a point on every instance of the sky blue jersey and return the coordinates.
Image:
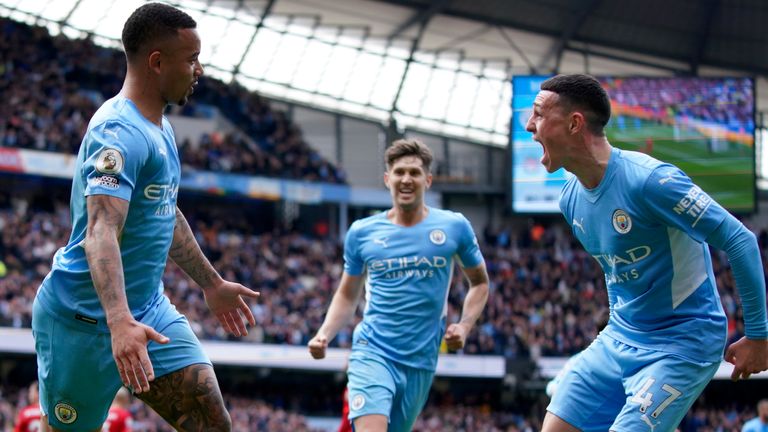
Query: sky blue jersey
(409, 271)
(126, 156)
(646, 224)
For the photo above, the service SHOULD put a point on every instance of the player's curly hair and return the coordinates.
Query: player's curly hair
(153, 22)
(409, 147)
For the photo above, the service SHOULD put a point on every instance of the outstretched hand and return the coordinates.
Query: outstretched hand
(129, 348)
(747, 357)
(227, 303)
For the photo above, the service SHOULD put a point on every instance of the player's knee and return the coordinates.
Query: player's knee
(223, 423)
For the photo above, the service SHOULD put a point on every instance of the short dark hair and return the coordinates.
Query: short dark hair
(152, 22)
(409, 147)
(582, 92)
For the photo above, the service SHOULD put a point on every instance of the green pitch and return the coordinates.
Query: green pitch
(724, 169)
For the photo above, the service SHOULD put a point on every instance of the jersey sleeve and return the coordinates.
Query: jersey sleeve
(353, 262)
(468, 251)
(115, 155)
(670, 195)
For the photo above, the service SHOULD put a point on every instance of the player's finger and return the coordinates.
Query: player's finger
(146, 364)
(249, 292)
(246, 310)
(239, 320)
(121, 369)
(735, 374)
(224, 323)
(234, 329)
(140, 373)
(730, 356)
(154, 335)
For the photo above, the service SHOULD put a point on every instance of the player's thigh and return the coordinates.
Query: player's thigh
(189, 399)
(185, 392)
(412, 391)
(371, 385)
(76, 371)
(182, 350)
(661, 393)
(591, 394)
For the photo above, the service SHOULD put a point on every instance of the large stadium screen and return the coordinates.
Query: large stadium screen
(705, 126)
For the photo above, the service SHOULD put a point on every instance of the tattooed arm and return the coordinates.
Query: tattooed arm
(224, 298)
(186, 253)
(474, 303)
(106, 217)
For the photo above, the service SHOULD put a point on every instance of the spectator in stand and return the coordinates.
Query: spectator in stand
(28, 419)
(119, 417)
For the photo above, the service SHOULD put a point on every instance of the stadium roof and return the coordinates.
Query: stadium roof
(440, 65)
(722, 33)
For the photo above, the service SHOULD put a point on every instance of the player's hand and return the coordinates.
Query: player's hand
(129, 347)
(455, 336)
(747, 357)
(227, 303)
(317, 346)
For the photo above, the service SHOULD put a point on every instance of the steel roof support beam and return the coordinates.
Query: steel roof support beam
(570, 30)
(421, 17)
(702, 36)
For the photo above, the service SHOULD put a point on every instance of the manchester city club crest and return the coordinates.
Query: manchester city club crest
(357, 402)
(65, 413)
(622, 223)
(437, 236)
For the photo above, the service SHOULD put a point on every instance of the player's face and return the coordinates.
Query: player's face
(182, 67)
(549, 125)
(407, 179)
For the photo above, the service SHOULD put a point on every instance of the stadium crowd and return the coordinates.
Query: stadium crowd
(723, 101)
(257, 415)
(547, 294)
(51, 93)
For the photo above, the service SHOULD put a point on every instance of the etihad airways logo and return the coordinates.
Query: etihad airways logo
(630, 256)
(410, 266)
(166, 194)
(615, 266)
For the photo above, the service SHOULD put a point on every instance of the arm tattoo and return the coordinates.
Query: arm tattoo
(476, 275)
(186, 253)
(106, 218)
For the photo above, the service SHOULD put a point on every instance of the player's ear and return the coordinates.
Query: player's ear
(386, 179)
(577, 122)
(154, 60)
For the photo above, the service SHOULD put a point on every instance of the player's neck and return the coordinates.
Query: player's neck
(590, 166)
(406, 216)
(144, 96)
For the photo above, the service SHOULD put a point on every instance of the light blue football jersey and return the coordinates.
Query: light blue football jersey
(126, 156)
(755, 425)
(646, 224)
(408, 274)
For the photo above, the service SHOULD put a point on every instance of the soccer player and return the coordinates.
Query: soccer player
(119, 419)
(649, 227)
(407, 253)
(98, 315)
(28, 419)
(759, 423)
